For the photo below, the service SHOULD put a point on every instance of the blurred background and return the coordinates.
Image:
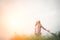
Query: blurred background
(20, 16)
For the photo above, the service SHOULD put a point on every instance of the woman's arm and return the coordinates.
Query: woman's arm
(45, 29)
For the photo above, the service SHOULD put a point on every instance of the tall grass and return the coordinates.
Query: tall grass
(53, 37)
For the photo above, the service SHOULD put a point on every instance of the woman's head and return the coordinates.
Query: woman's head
(37, 22)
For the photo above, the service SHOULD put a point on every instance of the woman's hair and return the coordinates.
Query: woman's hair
(37, 22)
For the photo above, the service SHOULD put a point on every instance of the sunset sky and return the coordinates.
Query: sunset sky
(20, 16)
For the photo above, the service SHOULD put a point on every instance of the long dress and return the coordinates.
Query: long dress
(38, 30)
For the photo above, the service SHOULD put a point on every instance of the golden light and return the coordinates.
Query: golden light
(19, 24)
(13, 22)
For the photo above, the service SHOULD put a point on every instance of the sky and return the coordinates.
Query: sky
(20, 16)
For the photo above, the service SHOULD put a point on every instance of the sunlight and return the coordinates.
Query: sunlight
(19, 24)
(13, 22)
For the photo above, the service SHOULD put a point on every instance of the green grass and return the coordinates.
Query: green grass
(53, 37)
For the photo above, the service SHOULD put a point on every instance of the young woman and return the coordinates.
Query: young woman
(38, 27)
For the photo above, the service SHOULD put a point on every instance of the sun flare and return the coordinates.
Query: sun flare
(13, 22)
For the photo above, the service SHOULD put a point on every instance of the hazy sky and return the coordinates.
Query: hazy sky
(20, 16)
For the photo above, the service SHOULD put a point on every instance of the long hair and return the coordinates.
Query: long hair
(37, 22)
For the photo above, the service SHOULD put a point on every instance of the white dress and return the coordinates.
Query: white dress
(38, 30)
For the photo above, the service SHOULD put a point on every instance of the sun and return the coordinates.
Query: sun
(13, 22)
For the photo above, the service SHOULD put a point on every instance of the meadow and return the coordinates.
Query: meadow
(55, 36)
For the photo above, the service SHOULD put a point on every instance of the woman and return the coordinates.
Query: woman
(38, 27)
